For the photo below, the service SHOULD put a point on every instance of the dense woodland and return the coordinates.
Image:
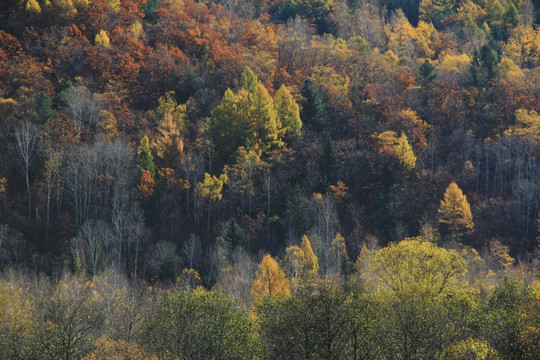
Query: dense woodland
(270, 179)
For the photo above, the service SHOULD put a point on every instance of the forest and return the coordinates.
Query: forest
(270, 179)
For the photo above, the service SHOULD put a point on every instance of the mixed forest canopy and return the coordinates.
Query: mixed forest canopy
(281, 154)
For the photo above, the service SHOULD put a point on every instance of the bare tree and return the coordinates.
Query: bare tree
(26, 138)
(84, 107)
(191, 251)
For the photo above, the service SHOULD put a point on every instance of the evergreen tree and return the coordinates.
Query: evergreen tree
(145, 159)
(233, 234)
(425, 74)
(329, 165)
(455, 212)
(44, 108)
(314, 113)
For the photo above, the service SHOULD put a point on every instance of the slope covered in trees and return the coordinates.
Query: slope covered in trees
(154, 136)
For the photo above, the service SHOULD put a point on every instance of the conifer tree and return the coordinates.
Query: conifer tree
(426, 74)
(249, 80)
(270, 280)
(44, 108)
(265, 121)
(455, 212)
(330, 165)
(314, 112)
(405, 153)
(288, 112)
(311, 263)
(233, 234)
(144, 157)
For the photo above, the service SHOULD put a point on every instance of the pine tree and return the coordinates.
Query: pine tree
(233, 234)
(288, 112)
(44, 108)
(270, 280)
(314, 113)
(425, 74)
(144, 157)
(329, 165)
(455, 212)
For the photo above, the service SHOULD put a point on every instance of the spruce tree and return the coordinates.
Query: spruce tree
(314, 113)
(44, 108)
(329, 165)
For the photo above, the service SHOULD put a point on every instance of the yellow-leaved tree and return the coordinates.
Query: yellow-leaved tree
(270, 280)
(301, 261)
(455, 212)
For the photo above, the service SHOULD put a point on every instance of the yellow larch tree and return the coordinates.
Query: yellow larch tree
(270, 280)
(455, 211)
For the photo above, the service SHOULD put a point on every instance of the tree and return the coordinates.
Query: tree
(74, 319)
(314, 113)
(83, 106)
(249, 80)
(455, 212)
(288, 112)
(233, 235)
(102, 39)
(405, 153)
(301, 261)
(329, 164)
(315, 323)
(425, 74)
(26, 137)
(210, 190)
(144, 157)
(265, 121)
(44, 108)
(423, 297)
(18, 316)
(200, 325)
(270, 280)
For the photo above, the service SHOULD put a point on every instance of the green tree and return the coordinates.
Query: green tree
(288, 112)
(266, 125)
(455, 212)
(314, 114)
(200, 325)
(329, 164)
(44, 108)
(424, 301)
(249, 80)
(233, 235)
(425, 74)
(145, 159)
(315, 323)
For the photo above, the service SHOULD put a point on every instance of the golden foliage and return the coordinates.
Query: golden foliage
(455, 211)
(102, 39)
(270, 280)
